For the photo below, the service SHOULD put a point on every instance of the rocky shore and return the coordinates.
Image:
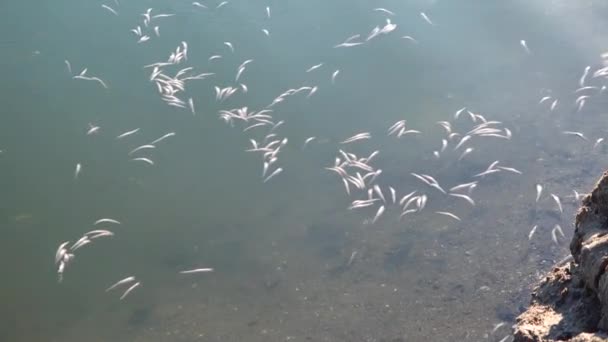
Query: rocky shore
(571, 302)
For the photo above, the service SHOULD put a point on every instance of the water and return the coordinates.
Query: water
(281, 249)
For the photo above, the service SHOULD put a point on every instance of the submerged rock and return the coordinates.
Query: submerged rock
(571, 303)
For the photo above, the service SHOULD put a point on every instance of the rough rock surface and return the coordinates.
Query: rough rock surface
(571, 303)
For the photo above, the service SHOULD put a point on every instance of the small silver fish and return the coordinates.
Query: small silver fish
(314, 67)
(585, 73)
(378, 214)
(465, 197)
(109, 9)
(426, 18)
(69, 66)
(150, 162)
(445, 213)
(598, 142)
(276, 172)
(133, 287)
(197, 270)
(466, 152)
(554, 237)
(532, 232)
(126, 134)
(334, 75)
(229, 45)
(525, 46)
(78, 169)
(120, 282)
(539, 191)
(558, 202)
(105, 220)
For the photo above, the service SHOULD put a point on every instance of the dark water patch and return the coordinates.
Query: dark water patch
(397, 256)
(506, 313)
(140, 317)
(178, 259)
(328, 238)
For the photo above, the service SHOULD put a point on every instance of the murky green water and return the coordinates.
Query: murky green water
(291, 262)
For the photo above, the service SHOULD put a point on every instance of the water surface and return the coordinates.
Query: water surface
(282, 250)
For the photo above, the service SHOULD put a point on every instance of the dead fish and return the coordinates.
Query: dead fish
(410, 38)
(525, 46)
(120, 282)
(532, 232)
(197, 270)
(356, 137)
(384, 10)
(314, 67)
(426, 18)
(307, 141)
(466, 152)
(150, 162)
(577, 134)
(133, 287)
(465, 197)
(334, 75)
(126, 134)
(274, 173)
(553, 105)
(230, 46)
(78, 169)
(497, 326)
(393, 194)
(598, 142)
(446, 213)
(105, 220)
(554, 237)
(379, 192)
(143, 39)
(378, 214)
(92, 129)
(585, 73)
(558, 229)
(558, 202)
(109, 9)
(510, 169)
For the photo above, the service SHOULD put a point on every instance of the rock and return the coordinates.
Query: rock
(571, 303)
